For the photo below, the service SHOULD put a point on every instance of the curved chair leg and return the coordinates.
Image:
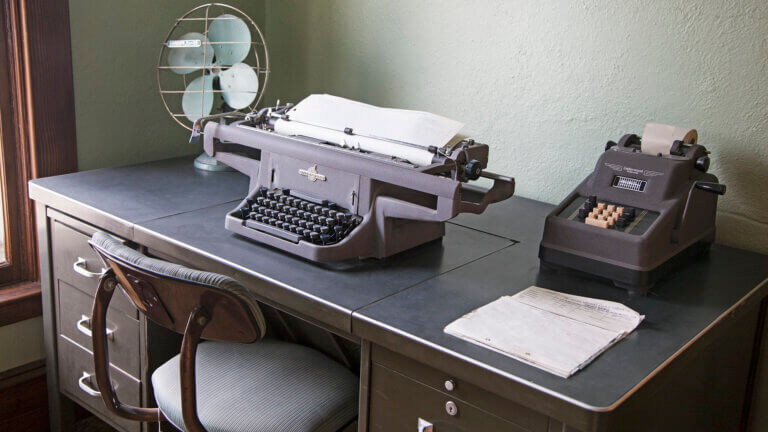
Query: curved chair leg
(107, 286)
(197, 321)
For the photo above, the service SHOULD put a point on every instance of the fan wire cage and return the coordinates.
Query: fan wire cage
(173, 86)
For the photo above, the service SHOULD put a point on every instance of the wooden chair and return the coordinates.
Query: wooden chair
(227, 383)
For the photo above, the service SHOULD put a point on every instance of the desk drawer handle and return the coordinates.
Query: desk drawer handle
(84, 325)
(80, 267)
(86, 386)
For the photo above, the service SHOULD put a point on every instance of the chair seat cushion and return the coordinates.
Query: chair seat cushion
(264, 386)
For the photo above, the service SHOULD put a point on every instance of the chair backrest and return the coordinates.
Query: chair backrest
(195, 303)
(168, 293)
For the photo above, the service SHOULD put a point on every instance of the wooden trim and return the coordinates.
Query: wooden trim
(23, 396)
(20, 302)
(37, 118)
(20, 374)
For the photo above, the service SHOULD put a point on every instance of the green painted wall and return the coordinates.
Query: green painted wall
(546, 83)
(22, 343)
(120, 116)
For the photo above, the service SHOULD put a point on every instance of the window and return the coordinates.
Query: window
(37, 134)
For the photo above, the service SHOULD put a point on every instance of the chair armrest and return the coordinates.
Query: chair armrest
(107, 286)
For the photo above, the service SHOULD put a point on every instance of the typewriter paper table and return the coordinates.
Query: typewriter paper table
(687, 366)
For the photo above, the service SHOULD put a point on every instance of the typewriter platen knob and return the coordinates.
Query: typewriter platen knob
(702, 163)
(473, 169)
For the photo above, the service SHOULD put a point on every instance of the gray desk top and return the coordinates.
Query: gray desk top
(676, 310)
(404, 302)
(124, 196)
(304, 286)
(177, 210)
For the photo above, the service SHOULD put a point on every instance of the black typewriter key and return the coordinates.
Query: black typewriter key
(311, 207)
(244, 212)
(583, 213)
(324, 211)
(315, 236)
(300, 213)
(630, 212)
(592, 200)
(332, 213)
(329, 222)
(249, 202)
(325, 238)
(325, 230)
(339, 231)
(260, 201)
(262, 191)
(621, 222)
(295, 220)
(271, 195)
(340, 217)
(332, 205)
(270, 221)
(286, 192)
(314, 218)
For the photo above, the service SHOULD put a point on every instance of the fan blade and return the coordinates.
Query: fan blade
(197, 100)
(239, 85)
(234, 39)
(185, 58)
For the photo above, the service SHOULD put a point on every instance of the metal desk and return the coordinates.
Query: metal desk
(401, 304)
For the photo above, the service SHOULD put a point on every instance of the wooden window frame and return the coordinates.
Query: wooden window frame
(37, 126)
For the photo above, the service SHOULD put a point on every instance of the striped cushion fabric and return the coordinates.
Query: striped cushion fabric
(269, 386)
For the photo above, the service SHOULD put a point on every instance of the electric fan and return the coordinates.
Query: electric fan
(213, 63)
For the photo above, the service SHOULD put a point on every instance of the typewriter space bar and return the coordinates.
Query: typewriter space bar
(277, 232)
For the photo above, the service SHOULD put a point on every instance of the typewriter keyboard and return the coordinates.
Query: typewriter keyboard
(294, 216)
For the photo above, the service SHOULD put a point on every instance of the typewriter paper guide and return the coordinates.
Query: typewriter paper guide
(557, 332)
(414, 127)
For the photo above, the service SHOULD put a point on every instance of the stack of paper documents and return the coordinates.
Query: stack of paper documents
(560, 333)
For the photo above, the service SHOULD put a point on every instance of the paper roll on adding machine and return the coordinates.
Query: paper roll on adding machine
(334, 179)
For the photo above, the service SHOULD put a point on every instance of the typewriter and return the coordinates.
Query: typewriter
(328, 183)
(648, 206)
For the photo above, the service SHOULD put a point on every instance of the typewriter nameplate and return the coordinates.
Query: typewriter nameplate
(311, 174)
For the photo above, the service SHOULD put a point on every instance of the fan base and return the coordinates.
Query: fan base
(207, 163)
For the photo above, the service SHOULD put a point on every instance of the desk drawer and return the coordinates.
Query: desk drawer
(77, 381)
(74, 323)
(398, 402)
(462, 390)
(71, 246)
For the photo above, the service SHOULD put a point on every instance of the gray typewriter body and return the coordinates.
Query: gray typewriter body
(373, 206)
(667, 204)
